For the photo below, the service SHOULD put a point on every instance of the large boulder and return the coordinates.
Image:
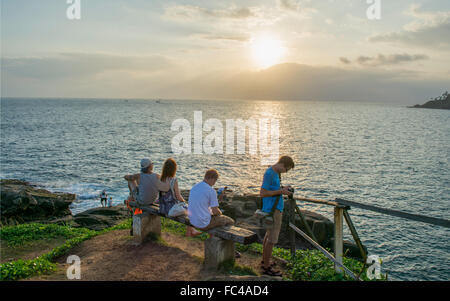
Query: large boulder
(101, 218)
(21, 202)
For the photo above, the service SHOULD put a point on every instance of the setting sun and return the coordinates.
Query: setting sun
(267, 51)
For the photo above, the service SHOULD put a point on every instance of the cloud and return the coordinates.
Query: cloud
(393, 59)
(196, 12)
(345, 60)
(289, 4)
(67, 65)
(429, 30)
(231, 37)
(292, 81)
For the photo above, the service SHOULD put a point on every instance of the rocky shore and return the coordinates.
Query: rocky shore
(25, 203)
(442, 102)
(22, 202)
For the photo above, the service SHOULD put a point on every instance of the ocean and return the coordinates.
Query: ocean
(380, 154)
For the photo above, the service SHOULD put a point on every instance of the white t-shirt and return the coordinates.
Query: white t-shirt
(202, 198)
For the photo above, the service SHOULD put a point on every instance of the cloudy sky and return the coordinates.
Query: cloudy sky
(268, 49)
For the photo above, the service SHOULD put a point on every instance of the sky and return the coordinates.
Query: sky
(266, 50)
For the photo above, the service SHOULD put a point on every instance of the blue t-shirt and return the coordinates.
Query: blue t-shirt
(271, 181)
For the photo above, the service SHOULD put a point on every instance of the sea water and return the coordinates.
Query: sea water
(385, 155)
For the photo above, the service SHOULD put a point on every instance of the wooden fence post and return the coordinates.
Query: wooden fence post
(338, 236)
(355, 235)
(292, 205)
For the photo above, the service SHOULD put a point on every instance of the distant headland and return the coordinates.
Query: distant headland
(441, 102)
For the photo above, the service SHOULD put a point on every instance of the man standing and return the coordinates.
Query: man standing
(272, 198)
(103, 198)
(203, 208)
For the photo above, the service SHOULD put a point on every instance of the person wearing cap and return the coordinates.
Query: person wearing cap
(147, 182)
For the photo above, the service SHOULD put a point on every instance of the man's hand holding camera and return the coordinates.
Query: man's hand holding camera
(287, 190)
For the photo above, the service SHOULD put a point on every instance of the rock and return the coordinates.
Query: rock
(101, 218)
(350, 249)
(24, 203)
(442, 102)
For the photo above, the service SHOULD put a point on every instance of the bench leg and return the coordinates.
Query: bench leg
(143, 226)
(218, 251)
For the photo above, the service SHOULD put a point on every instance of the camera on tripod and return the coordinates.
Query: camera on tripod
(291, 190)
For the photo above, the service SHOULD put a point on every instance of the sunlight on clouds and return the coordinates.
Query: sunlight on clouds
(267, 51)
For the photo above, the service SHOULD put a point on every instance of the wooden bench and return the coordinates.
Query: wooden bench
(218, 249)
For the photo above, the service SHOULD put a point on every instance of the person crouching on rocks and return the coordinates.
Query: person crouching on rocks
(203, 208)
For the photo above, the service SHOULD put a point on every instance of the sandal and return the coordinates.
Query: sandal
(270, 272)
(273, 264)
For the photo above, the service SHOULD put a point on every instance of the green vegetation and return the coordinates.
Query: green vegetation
(22, 234)
(44, 264)
(308, 265)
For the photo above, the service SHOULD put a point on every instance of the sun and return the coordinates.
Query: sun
(267, 51)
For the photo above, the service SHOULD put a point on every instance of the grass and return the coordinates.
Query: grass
(307, 265)
(20, 235)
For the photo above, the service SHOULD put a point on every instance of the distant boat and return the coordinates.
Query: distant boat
(158, 101)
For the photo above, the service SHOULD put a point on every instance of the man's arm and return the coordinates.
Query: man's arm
(216, 211)
(268, 193)
(135, 177)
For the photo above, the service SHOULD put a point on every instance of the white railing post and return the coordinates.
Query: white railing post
(338, 237)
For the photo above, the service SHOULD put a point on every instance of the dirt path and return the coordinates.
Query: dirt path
(114, 256)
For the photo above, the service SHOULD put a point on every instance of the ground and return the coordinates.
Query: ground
(29, 251)
(114, 256)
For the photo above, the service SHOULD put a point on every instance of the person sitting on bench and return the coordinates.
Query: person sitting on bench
(203, 207)
(148, 184)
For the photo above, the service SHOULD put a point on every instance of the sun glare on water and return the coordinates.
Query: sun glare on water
(267, 51)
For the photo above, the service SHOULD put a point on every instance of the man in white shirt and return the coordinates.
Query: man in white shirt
(203, 209)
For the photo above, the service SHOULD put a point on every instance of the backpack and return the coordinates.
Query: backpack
(167, 199)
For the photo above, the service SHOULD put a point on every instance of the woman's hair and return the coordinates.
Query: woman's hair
(169, 169)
